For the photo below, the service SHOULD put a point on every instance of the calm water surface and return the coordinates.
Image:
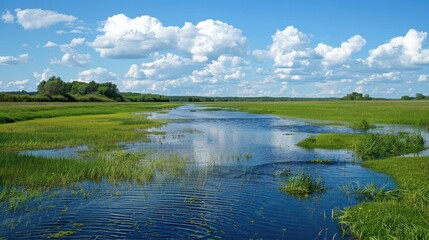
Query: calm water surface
(231, 190)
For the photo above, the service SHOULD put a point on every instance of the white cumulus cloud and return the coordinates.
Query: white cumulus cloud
(163, 67)
(18, 84)
(124, 37)
(44, 75)
(38, 18)
(401, 52)
(423, 78)
(96, 74)
(8, 17)
(11, 60)
(333, 56)
(224, 69)
(70, 57)
(210, 39)
(73, 59)
(135, 72)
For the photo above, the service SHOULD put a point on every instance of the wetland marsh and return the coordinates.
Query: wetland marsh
(184, 172)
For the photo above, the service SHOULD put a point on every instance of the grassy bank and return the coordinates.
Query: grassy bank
(391, 112)
(96, 125)
(87, 125)
(405, 217)
(15, 112)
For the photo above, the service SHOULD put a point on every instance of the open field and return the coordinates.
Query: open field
(390, 112)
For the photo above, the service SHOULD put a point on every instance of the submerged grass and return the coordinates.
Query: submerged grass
(404, 216)
(320, 161)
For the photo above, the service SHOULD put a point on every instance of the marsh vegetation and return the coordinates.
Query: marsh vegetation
(197, 163)
(302, 184)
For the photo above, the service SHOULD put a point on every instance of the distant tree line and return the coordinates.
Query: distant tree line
(418, 96)
(56, 90)
(356, 96)
(71, 91)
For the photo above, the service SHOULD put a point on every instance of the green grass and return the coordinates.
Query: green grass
(403, 217)
(368, 146)
(391, 112)
(362, 124)
(302, 184)
(377, 146)
(98, 126)
(23, 178)
(15, 112)
(331, 141)
(370, 192)
(104, 129)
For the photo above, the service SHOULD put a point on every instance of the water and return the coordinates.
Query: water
(231, 190)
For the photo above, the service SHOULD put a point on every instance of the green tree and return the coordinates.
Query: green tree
(91, 87)
(54, 86)
(420, 96)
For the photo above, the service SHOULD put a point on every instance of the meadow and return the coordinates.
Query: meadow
(414, 113)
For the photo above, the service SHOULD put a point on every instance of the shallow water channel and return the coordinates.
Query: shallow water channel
(230, 191)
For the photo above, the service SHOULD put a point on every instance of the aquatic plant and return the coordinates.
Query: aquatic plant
(283, 173)
(331, 141)
(369, 192)
(302, 184)
(376, 146)
(362, 125)
(60, 234)
(320, 161)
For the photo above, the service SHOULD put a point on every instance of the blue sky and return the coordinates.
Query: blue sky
(220, 48)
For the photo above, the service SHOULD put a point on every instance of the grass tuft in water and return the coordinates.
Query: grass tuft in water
(376, 146)
(331, 141)
(369, 192)
(362, 125)
(23, 178)
(302, 184)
